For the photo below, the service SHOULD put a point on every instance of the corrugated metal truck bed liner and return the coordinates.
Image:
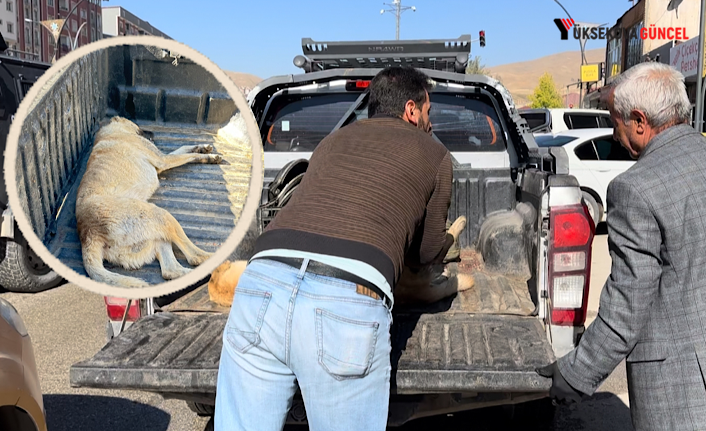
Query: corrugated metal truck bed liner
(180, 352)
(204, 198)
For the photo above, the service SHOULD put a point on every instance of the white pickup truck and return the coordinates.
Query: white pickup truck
(527, 242)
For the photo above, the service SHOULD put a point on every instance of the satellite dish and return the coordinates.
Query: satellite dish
(674, 4)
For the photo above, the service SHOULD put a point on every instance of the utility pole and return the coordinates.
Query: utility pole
(397, 9)
(698, 121)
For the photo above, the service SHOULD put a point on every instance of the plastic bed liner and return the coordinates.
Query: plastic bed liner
(179, 353)
(206, 199)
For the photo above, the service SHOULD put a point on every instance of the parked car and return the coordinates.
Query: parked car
(21, 402)
(595, 158)
(545, 120)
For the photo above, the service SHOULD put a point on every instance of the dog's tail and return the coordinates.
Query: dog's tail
(93, 263)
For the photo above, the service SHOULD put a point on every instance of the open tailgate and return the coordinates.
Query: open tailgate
(432, 353)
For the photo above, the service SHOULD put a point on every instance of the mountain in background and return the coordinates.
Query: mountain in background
(520, 78)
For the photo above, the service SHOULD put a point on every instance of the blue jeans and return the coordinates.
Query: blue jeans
(288, 328)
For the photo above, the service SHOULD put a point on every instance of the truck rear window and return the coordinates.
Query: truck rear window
(299, 123)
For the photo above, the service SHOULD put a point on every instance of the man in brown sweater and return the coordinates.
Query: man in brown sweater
(313, 307)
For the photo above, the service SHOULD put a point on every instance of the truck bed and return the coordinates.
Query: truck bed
(206, 199)
(484, 340)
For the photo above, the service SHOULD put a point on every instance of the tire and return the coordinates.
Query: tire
(201, 409)
(531, 415)
(594, 208)
(22, 271)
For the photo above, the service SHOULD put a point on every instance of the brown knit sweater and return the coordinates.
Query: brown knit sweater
(378, 191)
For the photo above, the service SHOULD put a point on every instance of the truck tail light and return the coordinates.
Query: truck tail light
(116, 309)
(357, 85)
(572, 232)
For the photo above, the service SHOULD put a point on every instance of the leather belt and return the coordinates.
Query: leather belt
(363, 286)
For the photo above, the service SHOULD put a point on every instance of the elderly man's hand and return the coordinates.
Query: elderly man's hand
(561, 391)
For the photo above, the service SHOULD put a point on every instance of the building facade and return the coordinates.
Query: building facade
(32, 41)
(623, 49)
(118, 21)
(8, 23)
(626, 51)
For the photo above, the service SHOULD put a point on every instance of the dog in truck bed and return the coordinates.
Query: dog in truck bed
(422, 287)
(115, 221)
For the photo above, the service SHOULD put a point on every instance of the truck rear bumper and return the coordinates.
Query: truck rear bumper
(179, 353)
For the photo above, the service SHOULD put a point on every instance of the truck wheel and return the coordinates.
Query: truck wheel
(594, 208)
(540, 413)
(201, 409)
(21, 270)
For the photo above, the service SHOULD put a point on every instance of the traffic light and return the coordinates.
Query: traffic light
(482, 38)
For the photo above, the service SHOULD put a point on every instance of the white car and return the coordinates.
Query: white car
(556, 120)
(595, 158)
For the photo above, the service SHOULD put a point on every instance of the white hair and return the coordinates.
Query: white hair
(654, 88)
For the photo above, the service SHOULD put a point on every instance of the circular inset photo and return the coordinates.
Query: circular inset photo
(134, 167)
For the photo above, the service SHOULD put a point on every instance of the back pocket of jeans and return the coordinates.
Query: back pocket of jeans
(345, 347)
(246, 317)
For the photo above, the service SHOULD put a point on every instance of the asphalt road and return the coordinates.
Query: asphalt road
(67, 324)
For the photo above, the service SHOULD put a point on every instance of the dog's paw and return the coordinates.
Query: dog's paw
(215, 159)
(134, 282)
(199, 258)
(175, 273)
(204, 149)
(465, 282)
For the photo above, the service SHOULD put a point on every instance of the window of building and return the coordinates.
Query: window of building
(83, 13)
(99, 23)
(50, 3)
(634, 52)
(64, 4)
(9, 27)
(9, 6)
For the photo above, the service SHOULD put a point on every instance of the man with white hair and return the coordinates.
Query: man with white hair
(653, 306)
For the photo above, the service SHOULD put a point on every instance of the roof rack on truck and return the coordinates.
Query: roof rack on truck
(449, 55)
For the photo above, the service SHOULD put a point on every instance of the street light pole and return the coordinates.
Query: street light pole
(698, 121)
(78, 33)
(71, 12)
(397, 9)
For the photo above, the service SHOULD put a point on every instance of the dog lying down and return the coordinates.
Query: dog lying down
(116, 222)
(423, 287)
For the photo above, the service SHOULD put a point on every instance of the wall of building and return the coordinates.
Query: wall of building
(110, 20)
(685, 15)
(625, 51)
(122, 22)
(8, 23)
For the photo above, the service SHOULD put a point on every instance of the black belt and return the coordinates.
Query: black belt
(364, 287)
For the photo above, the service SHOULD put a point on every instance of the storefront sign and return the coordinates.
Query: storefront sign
(685, 57)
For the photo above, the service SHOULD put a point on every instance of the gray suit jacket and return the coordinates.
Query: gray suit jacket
(653, 306)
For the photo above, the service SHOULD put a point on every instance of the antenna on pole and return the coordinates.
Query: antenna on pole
(396, 8)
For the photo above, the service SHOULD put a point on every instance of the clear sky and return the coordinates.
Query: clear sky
(262, 37)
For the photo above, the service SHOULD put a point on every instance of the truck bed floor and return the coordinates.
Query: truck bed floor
(206, 199)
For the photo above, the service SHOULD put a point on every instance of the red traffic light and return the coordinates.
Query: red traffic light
(482, 38)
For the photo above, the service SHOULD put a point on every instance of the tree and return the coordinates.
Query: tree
(546, 94)
(475, 67)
